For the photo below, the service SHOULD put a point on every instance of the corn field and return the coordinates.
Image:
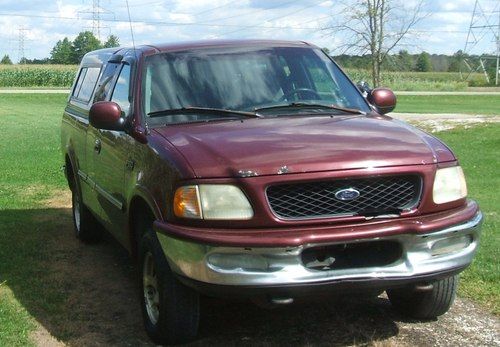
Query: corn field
(27, 76)
(37, 75)
(420, 81)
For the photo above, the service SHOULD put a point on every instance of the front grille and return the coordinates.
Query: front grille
(377, 195)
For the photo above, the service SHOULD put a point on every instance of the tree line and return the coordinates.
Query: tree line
(66, 51)
(404, 61)
(422, 62)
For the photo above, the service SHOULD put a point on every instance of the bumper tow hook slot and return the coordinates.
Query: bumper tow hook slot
(423, 287)
(282, 301)
(324, 264)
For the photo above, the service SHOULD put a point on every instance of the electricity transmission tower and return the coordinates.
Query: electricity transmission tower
(484, 30)
(96, 13)
(21, 41)
(96, 19)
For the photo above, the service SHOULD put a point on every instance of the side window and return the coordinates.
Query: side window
(105, 82)
(122, 88)
(86, 84)
(79, 81)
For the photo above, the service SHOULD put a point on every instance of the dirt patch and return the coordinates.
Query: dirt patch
(43, 338)
(101, 308)
(59, 199)
(99, 284)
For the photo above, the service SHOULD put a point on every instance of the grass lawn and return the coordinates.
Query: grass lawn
(472, 104)
(30, 174)
(477, 149)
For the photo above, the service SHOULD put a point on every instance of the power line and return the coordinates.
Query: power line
(215, 8)
(254, 12)
(205, 24)
(279, 17)
(163, 23)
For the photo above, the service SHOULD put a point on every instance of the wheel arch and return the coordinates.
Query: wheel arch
(142, 205)
(70, 170)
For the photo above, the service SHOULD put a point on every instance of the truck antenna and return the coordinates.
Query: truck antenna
(130, 23)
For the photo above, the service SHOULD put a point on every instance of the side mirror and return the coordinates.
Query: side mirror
(106, 115)
(383, 99)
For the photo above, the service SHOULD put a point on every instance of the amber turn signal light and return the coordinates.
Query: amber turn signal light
(187, 202)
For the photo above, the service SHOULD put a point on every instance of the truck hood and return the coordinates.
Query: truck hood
(280, 145)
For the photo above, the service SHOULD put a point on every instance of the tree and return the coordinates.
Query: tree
(6, 60)
(405, 60)
(375, 27)
(71, 52)
(423, 62)
(84, 43)
(63, 53)
(456, 61)
(112, 41)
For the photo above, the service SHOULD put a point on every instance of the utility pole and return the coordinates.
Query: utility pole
(482, 28)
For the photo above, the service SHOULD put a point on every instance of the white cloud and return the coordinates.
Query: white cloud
(297, 20)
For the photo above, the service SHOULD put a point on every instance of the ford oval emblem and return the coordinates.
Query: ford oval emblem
(347, 194)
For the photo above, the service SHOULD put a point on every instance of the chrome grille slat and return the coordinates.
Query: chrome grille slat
(378, 195)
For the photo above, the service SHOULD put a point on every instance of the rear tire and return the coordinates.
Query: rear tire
(87, 229)
(427, 304)
(170, 310)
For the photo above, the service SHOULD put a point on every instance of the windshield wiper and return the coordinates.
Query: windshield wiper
(311, 105)
(205, 110)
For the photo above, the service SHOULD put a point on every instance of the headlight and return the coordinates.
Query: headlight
(449, 185)
(212, 201)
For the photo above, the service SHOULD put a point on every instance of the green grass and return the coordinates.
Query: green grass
(30, 148)
(30, 173)
(472, 104)
(477, 149)
(14, 320)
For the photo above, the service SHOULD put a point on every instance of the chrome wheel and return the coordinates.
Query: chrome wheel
(151, 290)
(76, 210)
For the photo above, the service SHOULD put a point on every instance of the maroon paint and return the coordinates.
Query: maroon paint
(312, 148)
(290, 237)
(106, 115)
(303, 144)
(384, 99)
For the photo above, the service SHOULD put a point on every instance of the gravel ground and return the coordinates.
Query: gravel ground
(444, 121)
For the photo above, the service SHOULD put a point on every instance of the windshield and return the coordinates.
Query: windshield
(243, 79)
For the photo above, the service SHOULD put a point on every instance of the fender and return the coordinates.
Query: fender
(140, 191)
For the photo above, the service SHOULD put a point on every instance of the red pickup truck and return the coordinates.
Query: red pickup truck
(257, 169)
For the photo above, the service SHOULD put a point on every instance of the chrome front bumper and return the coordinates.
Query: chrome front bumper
(261, 267)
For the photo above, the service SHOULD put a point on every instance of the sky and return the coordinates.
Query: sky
(40, 24)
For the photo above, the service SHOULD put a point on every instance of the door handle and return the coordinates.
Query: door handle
(97, 146)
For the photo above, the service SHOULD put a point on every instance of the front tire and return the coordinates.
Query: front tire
(87, 229)
(170, 310)
(427, 304)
